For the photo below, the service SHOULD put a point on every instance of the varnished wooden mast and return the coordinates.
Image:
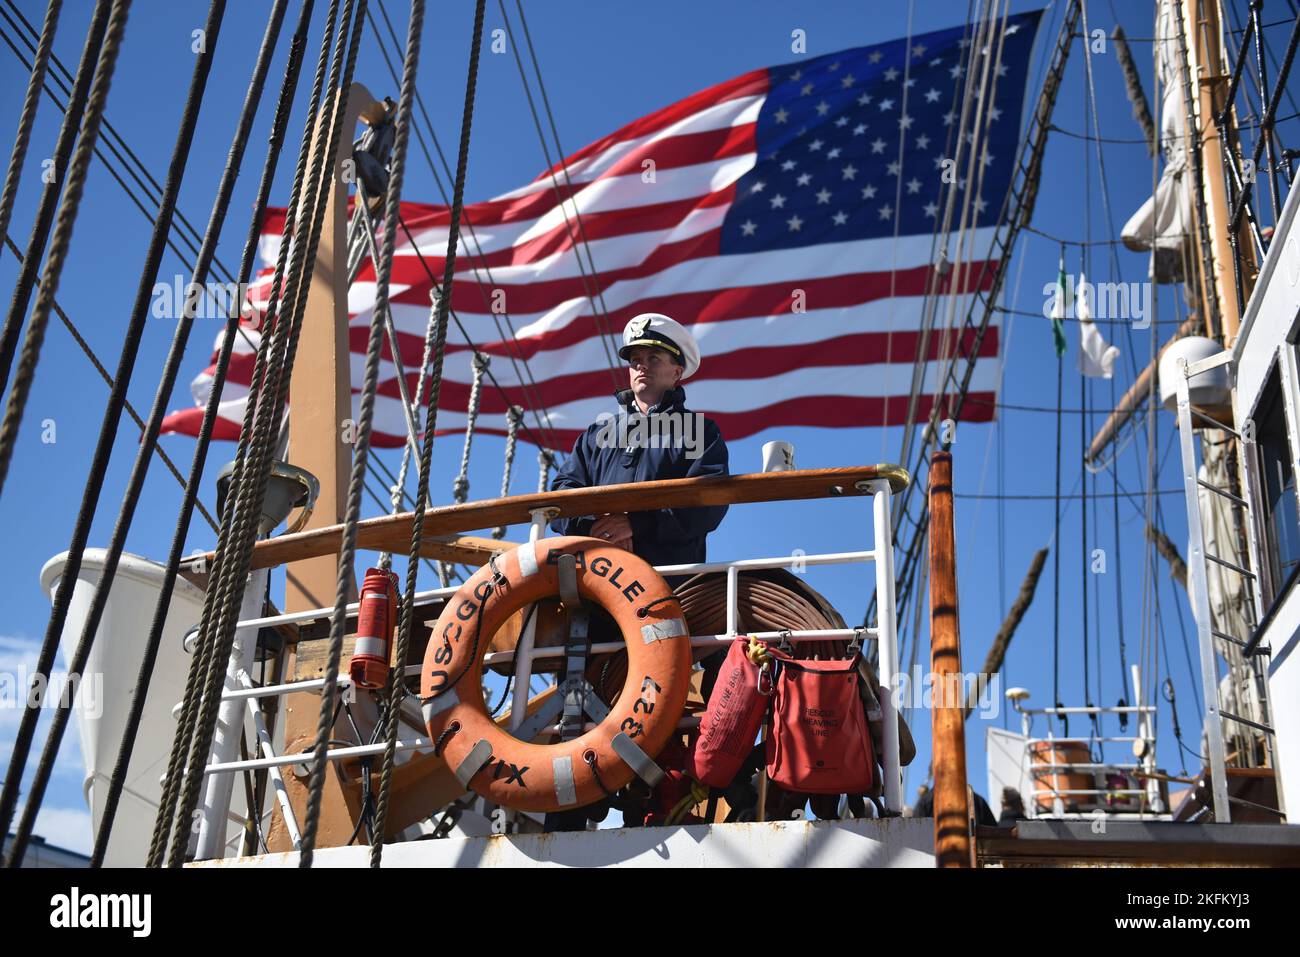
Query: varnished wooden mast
(320, 400)
(952, 843)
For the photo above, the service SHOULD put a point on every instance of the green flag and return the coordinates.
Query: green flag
(1060, 304)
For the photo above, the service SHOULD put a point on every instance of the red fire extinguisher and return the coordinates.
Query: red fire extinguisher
(376, 619)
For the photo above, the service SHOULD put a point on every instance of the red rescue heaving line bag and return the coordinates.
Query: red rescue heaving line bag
(731, 721)
(819, 743)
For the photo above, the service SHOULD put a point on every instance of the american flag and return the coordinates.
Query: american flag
(786, 217)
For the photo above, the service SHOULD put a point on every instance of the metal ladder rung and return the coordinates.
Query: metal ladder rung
(1254, 724)
(1227, 564)
(1224, 492)
(1233, 639)
(1230, 638)
(1261, 807)
(1215, 422)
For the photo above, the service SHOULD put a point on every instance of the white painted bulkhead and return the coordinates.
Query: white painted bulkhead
(1270, 334)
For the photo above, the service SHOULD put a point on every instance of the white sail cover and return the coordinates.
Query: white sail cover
(1163, 223)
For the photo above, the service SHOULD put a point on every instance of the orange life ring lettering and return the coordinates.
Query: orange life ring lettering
(545, 777)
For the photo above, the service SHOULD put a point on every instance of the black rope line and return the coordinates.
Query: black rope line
(115, 144)
(435, 344)
(589, 756)
(190, 499)
(1097, 139)
(645, 609)
(25, 372)
(589, 283)
(352, 514)
(1028, 314)
(1171, 39)
(527, 382)
(1056, 545)
(438, 290)
(107, 376)
(1057, 240)
(1047, 497)
(27, 115)
(443, 738)
(112, 139)
(262, 417)
(1084, 430)
(140, 312)
(505, 696)
(1014, 407)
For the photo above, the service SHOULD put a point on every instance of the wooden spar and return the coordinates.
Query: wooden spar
(1203, 32)
(952, 841)
(1135, 395)
(998, 650)
(320, 389)
(392, 532)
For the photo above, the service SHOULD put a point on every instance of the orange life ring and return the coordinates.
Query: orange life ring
(541, 777)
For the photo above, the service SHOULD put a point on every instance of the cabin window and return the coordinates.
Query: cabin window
(1279, 516)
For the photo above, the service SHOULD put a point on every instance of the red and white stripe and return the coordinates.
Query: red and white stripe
(848, 360)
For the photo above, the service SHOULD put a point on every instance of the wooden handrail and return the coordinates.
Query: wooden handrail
(393, 532)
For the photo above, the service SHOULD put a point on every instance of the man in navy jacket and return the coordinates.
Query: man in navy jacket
(652, 436)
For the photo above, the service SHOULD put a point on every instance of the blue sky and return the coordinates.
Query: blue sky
(603, 66)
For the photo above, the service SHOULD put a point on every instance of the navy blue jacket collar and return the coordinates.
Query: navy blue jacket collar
(672, 399)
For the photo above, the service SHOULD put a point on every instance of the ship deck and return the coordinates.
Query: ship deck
(889, 842)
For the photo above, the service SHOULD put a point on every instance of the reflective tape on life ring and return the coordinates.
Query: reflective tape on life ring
(543, 777)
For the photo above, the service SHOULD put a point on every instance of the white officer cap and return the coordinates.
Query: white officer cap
(656, 329)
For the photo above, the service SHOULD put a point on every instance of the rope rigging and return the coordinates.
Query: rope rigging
(118, 148)
(134, 334)
(1056, 538)
(514, 415)
(75, 186)
(545, 462)
(27, 115)
(317, 200)
(274, 362)
(600, 312)
(460, 486)
(107, 376)
(1085, 268)
(536, 406)
(258, 439)
(41, 225)
(435, 336)
(1017, 209)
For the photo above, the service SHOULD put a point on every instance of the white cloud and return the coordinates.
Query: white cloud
(18, 658)
(65, 827)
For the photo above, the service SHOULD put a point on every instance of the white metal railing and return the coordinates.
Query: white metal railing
(524, 654)
(1150, 803)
